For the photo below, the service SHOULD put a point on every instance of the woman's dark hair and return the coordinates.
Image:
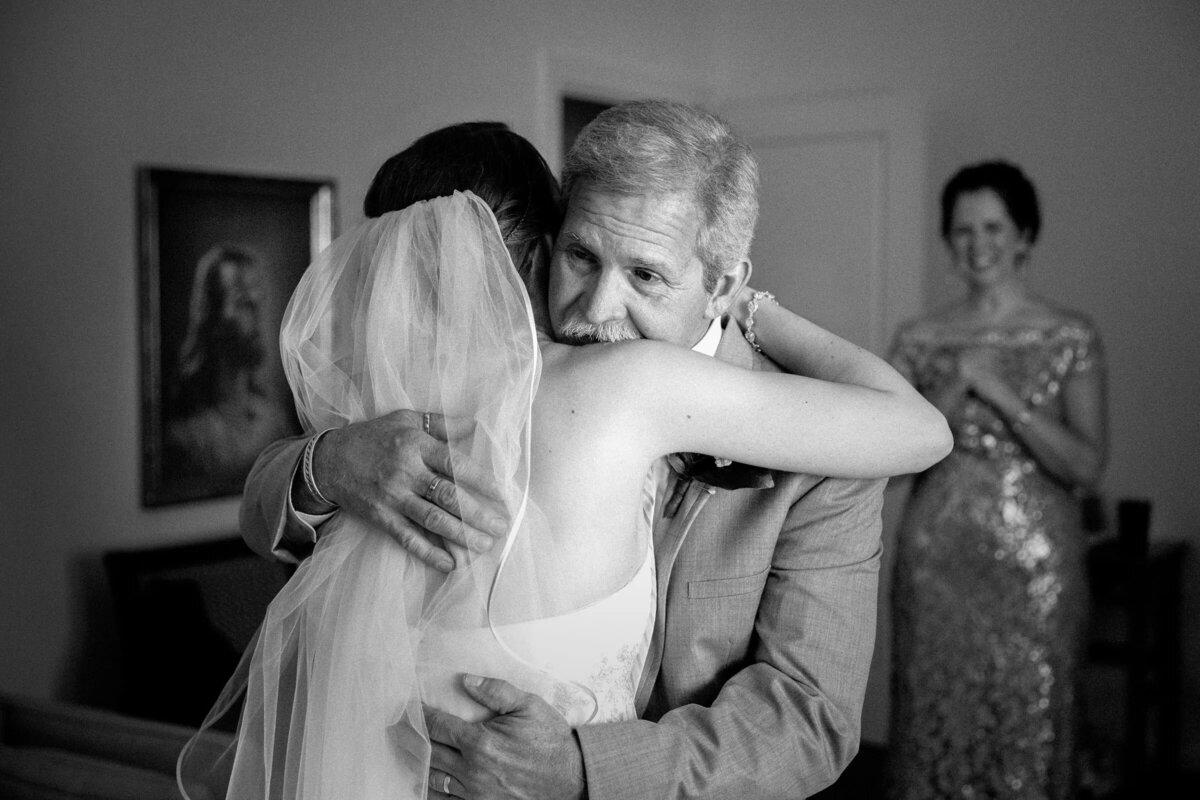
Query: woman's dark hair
(1010, 185)
(487, 158)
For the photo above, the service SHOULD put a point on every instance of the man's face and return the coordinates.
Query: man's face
(625, 267)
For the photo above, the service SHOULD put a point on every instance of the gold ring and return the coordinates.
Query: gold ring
(433, 485)
(425, 422)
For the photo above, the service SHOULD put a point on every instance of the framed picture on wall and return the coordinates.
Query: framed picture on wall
(219, 257)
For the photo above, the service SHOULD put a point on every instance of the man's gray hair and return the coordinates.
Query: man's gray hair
(664, 147)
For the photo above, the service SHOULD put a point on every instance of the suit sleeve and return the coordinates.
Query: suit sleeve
(267, 520)
(786, 724)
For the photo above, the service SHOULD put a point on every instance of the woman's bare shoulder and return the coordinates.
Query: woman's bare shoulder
(638, 360)
(599, 404)
(599, 375)
(634, 383)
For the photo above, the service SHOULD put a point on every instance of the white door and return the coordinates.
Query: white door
(841, 240)
(841, 230)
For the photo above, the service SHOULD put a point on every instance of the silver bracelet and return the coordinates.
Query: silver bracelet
(752, 307)
(307, 469)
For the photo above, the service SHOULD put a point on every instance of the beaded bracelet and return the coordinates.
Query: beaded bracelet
(307, 469)
(752, 307)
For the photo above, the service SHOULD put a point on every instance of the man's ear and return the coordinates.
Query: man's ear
(728, 285)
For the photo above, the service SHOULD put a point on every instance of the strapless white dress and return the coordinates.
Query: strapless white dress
(591, 657)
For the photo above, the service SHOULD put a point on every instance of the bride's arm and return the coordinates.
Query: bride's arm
(681, 401)
(802, 348)
(869, 422)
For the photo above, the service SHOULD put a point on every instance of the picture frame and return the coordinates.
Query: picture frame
(220, 255)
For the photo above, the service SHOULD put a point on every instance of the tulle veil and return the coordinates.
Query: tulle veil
(419, 308)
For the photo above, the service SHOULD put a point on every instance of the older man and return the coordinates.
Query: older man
(754, 682)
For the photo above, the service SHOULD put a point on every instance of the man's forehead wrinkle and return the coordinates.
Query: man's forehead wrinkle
(631, 240)
(623, 218)
(631, 229)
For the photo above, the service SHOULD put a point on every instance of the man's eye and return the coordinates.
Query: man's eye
(645, 276)
(579, 257)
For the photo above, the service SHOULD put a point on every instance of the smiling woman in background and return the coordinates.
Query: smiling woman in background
(989, 592)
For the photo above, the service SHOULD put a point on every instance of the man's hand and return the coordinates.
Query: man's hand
(527, 751)
(393, 472)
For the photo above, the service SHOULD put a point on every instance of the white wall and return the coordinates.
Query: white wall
(1099, 100)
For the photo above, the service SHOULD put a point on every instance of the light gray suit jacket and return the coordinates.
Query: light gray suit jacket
(754, 683)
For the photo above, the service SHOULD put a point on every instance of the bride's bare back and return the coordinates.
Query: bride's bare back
(588, 473)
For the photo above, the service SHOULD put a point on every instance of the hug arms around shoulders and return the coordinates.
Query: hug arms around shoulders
(803, 348)
(843, 413)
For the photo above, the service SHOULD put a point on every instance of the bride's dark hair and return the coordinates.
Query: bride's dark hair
(487, 158)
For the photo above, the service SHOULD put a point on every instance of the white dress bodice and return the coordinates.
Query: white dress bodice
(586, 663)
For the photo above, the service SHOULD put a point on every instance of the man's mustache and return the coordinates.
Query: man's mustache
(578, 332)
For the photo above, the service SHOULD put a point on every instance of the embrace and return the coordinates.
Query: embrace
(518, 577)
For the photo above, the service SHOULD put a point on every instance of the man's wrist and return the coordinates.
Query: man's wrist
(307, 496)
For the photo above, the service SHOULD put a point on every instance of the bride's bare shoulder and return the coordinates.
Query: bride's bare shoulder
(601, 402)
(633, 359)
(621, 375)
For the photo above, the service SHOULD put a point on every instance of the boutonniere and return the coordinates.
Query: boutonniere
(720, 472)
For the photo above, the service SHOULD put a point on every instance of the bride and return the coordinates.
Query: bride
(440, 305)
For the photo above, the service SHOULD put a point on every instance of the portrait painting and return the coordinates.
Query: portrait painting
(220, 255)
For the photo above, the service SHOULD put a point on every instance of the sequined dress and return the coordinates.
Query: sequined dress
(989, 596)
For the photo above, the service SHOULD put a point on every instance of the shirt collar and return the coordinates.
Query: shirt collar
(708, 343)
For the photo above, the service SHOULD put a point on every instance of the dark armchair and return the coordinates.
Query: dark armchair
(185, 614)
